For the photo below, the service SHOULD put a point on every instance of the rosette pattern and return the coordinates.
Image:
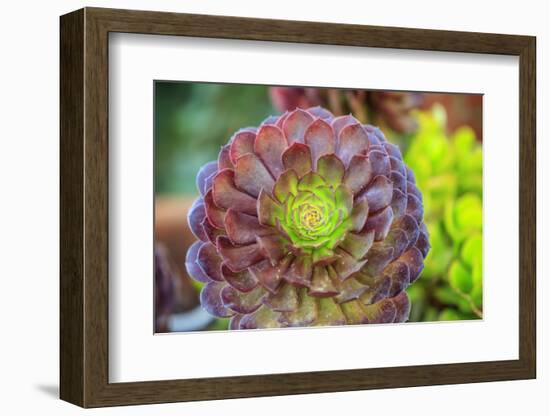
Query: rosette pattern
(308, 220)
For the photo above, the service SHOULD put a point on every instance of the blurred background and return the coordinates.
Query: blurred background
(440, 136)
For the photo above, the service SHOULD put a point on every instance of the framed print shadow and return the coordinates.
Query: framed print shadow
(256, 207)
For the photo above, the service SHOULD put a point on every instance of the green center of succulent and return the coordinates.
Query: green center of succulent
(313, 211)
(311, 217)
(308, 217)
(315, 215)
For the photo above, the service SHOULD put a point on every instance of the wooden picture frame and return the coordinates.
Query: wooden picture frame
(84, 207)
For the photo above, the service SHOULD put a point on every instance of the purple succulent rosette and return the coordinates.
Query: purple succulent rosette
(308, 220)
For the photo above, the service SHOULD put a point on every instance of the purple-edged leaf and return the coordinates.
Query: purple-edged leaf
(378, 257)
(340, 122)
(354, 312)
(329, 313)
(399, 181)
(359, 215)
(331, 168)
(267, 275)
(282, 119)
(414, 208)
(243, 228)
(373, 140)
(378, 133)
(393, 150)
(353, 140)
(235, 322)
(215, 214)
(243, 281)
(375, 135)
(238, 258)
(262, 318)
(321, 283)
(241, 144)
(410, 175)
(298, 158)
(379, 193)
(378, 289)
(204, 176)
(211, 300)
(252, 176)
(300, 271)
(284, 300)
(320, 138)
(296, 124)
(195, 217)
(273, 246)
(382, 312)
(224, 160)
(423, 243)
(380, 223)
(399, 275)
(402, 306)
(286, 185)
(192, 266)
(210, 261)
(306, 313)
(211, 232)
(344, 198)
(397, 238)
(379, 148)
(320, 112)
(272, 120)
(358, 244)
(359, 173)
(269, 210)
(412, 189)
(350, 289)
(398, 165)
(346, 265)
(380, 163)
(209, 181)
(398, 203)
(409, 226)
(226, 195)
(414, 259)
(270, 145)
(240, 302)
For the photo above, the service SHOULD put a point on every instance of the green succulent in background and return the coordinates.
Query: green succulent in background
(448, 171)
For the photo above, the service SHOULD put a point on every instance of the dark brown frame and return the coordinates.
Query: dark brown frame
(84, 207)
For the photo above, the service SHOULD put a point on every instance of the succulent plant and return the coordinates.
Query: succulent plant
(392, 110)
(308, 220)
(449, 171)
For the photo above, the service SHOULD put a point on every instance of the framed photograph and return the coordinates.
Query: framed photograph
(263, 207)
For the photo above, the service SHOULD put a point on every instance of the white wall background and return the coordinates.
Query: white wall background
(29, 160)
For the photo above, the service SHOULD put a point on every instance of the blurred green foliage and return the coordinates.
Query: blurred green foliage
(192, 122)
(448, 171)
